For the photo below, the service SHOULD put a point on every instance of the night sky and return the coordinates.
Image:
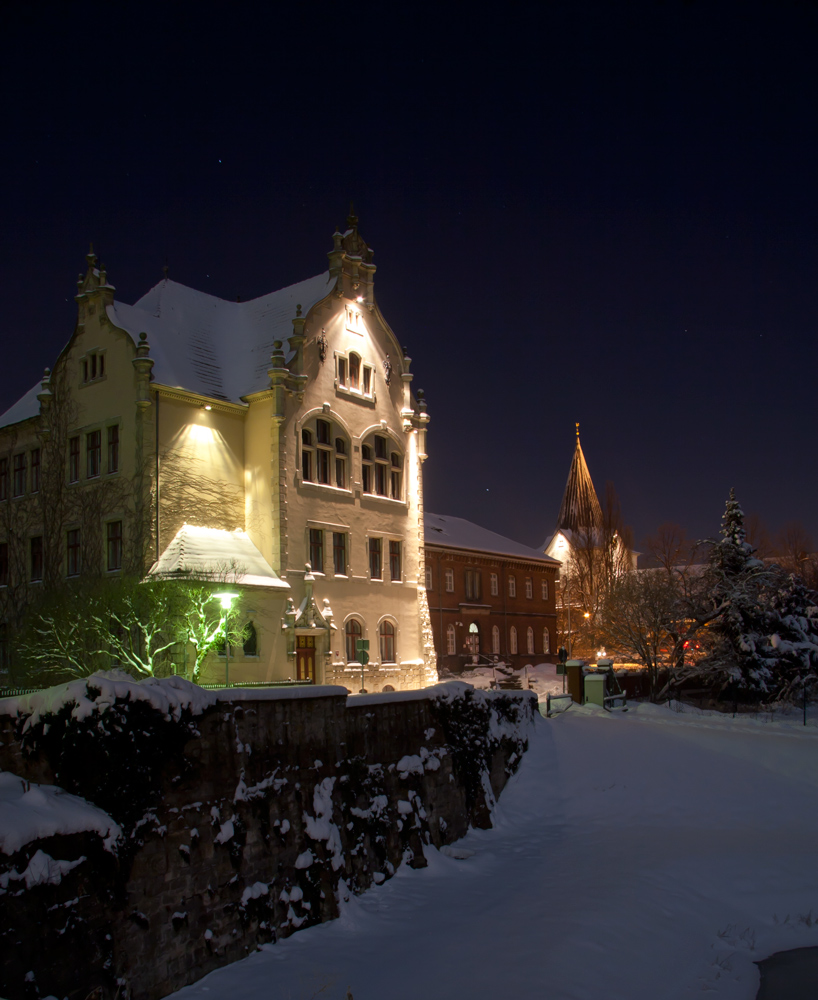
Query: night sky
(594, 212)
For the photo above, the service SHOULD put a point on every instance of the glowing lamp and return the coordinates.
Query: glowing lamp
(226, 599)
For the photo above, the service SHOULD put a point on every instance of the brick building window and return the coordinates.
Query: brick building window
(546, 640)
(449, 581)
(19, 481)
(495, 585)
(545, 590)
(451, 640)
(495, 639)
(529, 588)
(529, 641)
(472, 585)
(512, 586)
(428, 577)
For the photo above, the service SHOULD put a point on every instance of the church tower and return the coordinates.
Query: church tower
(580, 510)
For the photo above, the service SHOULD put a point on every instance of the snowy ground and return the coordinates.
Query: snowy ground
(640, 855)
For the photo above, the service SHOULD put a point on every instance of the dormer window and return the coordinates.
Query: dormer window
(93, 366)
(324, 454)
(354, 320)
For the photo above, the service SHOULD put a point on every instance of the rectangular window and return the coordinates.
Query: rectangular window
(367, 380)
(339, 553)
(113, 449)
(35, 470)
(529, 588)
(19, 482)
(4, 564)
(93, 453)
(394, 561)
(317, 550)
(114, 545)
(449, 581)
(512, 586)
(4, 479)
(322, 458)
(375, 571)
(380, 480)
(495, 585)
(73, 460)
(36, 547)
(472, 585)
(545, 591)
(93, 366)
(72, 548)
(428, 577)
(342, 371)
(395, 476)
(322, 431)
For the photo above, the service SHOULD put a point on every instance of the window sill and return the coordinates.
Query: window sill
(310, 485)
(379, 498)
(355, 394)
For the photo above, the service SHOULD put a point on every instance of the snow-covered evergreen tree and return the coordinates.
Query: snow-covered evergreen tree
(766, 637)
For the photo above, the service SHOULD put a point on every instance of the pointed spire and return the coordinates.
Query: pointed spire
(580, 507)
(91, 257)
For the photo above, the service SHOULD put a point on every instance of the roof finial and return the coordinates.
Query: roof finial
(577, 432)
(352, 218)
(91, 257)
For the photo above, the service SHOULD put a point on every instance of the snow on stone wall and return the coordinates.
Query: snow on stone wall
(239, 821)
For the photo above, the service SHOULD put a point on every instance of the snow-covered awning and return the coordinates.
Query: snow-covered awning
(214, 554)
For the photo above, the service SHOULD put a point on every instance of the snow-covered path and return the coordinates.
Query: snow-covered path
(644, 855)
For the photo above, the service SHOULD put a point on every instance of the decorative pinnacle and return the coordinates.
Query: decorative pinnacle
(352, 218)
(91, 257)
(577, 430)
(298, 310)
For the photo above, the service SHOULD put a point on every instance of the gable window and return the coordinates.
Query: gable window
(428, 577)
(529, 641)
(394, 562)
(113, 448)
(512, 586)
(512, 640)
(495, 585)
(250, 646)
(381, 468)
(375, 572)
(352, 633)
(19, 481)
(339, 553)
(367, 380)
(73, 460)
(35, 470)
(472, 585)
(324, 454)
(73, 552)
(113, 545)
(495, 639)
(354, 371)
(93, 453)
(4, 479)
(36, 556)
(386, 636)
(4, 564)
(545, 590)
(317, 550)
(353, 319)
(449, 581)
(451, 640)
(93, 366)
(546, 640)
(529, 588)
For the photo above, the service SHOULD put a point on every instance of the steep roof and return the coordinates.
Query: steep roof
(209, 345)
(457, 533)
(580, 505)
(26, 407)
(214, 554)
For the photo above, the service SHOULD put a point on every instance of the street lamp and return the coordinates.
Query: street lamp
(226, 600)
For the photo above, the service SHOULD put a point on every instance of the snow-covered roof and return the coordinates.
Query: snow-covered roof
(456, 533)
(214, 554)
(25, 408)
(209, 345)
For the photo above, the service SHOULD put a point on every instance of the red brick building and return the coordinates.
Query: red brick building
(488, 596)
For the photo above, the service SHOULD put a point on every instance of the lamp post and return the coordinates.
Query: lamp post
(226, 600)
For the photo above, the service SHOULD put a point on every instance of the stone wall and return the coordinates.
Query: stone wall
(242, 821)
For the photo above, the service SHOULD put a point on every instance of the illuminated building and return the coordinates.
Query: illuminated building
(273, 444)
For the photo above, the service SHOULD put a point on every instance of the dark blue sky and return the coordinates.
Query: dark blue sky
(593, 212)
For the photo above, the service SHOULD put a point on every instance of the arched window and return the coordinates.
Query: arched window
(451, 640)
(387, 642)
(512, 640)
(381, 468)
(354, 371)
(546, 640)
(352, 633)
(324, 454)
(473, 639)
(495, 639)
(529, 641)
(250, 640)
